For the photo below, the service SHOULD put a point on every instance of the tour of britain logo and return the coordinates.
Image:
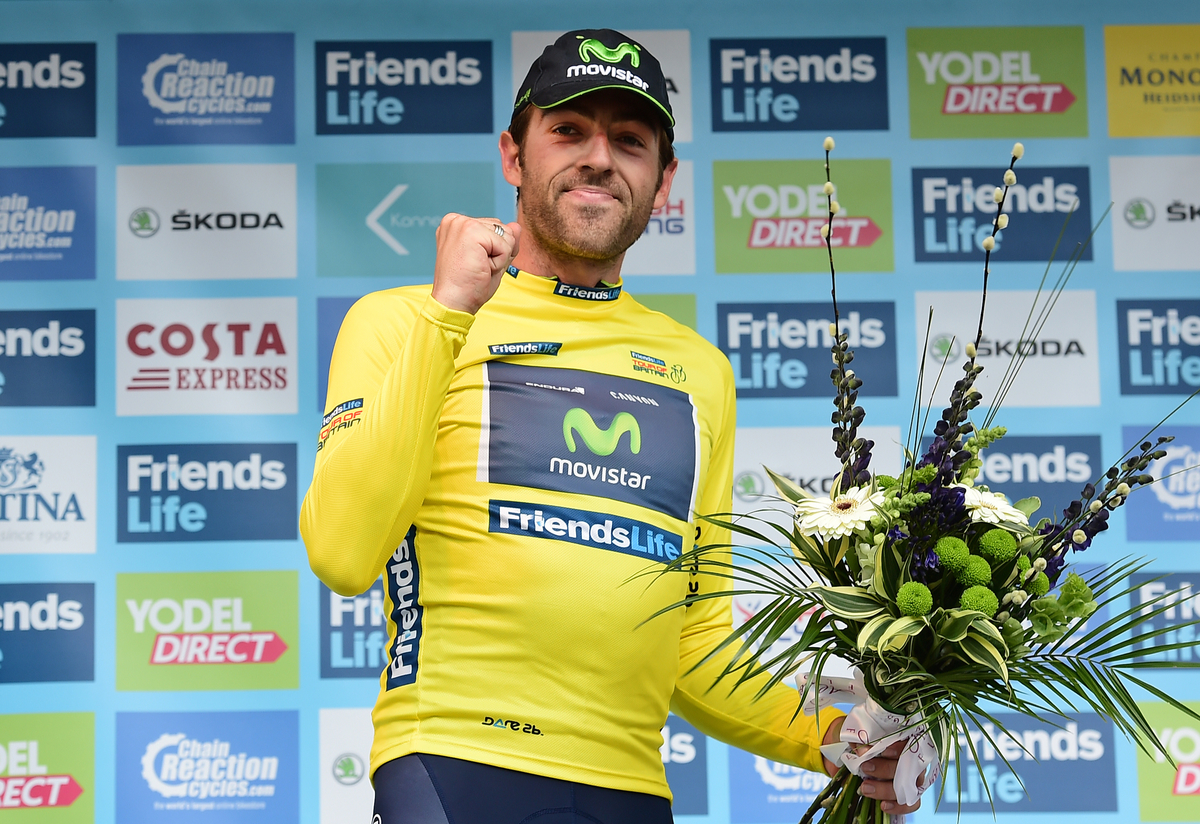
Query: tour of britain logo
(768, 216)
(1169, 790)
(953, 211)
(205, 88)
(220, 766)
(47, 494)
(47, 90)
(207, 631)
(1158, 342)
(1169, 509)
(1153, 75)
(48, 357)
(47, 632)
(48, 223)
(47, 763)
(1156, 212)
(403, 86)
(379, 219)
(1021, 82)
(798, 84)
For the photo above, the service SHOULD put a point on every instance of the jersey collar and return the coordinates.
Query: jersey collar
(605, 293)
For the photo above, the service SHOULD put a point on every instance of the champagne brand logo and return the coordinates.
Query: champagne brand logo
(1153, 75)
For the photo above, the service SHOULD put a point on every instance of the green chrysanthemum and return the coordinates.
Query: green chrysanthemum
(952, 554)
(1039, 586)
(914, 599)
(978, 572)
(1023, 565)
(997, 546)
(980, 598)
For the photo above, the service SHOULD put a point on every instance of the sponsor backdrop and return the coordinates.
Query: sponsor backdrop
(193, 195)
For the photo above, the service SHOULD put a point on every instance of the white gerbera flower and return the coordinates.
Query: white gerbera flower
(838, 516)
(991, 507)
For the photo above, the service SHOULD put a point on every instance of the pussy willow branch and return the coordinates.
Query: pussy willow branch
(987, 255)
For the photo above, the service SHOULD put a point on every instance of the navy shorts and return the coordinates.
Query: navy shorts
(433, 789)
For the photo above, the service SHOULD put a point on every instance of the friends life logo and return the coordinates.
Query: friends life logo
(240, 766)
(1052, 468)
(46, 763)
(354, 632)
(48, 357)
(46, 632)
(684, 754)
(768, 216)
(1169, 508)
(961, 85)
(1034, 766)
(953, 211)
(197, 356)
(1158, 342)
(781, 350)
(47, 90)
(1180, 590)
(404, 86)
(205, 89)
(799, 84)
(206, 492)
(48, 223)
(48, 494)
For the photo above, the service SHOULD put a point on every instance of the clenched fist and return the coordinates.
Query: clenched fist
(471, 258)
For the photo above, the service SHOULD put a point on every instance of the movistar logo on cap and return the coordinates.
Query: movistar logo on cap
(602, 442)
(593, 47)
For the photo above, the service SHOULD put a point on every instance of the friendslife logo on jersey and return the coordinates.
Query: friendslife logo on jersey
(47, 89)
(578, 526)
(798, 84)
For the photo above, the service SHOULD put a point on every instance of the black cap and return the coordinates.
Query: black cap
(586, 60)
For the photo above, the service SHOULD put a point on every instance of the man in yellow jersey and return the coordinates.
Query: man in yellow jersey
(513, 447)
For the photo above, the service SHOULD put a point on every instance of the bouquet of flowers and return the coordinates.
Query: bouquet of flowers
(942, 596)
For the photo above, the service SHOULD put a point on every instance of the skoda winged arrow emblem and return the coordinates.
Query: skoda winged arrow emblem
(593, 47)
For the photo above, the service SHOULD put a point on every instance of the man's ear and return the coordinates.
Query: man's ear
(664, 189)
(510, 158)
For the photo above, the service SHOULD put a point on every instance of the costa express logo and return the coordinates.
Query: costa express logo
(206, 492)
(1169, 510)
(46, 632)
(1036, 766)
(48, 223)
(353, 633)
(47, 89)
(205, 88)
(224, 765)
(777, 349)
(600, 435)
(1153, 75)
(205, 631)
(200, 356)
(48, 494)
(798, 84)
(961, 84)
(48, 357)
(768, 216)
(1170, 791)
(1159, 345)
(46, 763)
(1183, 609)
(404, 86)
(953, 212)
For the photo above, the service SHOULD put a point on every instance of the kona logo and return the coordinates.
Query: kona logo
(592, 47)
(602, 442)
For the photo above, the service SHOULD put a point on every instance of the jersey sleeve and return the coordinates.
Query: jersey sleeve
(395, 354)
(764, 726)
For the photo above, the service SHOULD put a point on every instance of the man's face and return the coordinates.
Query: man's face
(589, 174)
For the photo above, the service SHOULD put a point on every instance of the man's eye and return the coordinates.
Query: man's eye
(564, 129)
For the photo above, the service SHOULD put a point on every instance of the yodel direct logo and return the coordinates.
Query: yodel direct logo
(48, 357)
(798, 84)
(206, 492)
(47, 90)
(46, 763)
(404, 86)
(776, 349)
(46, 632)
(953, 212)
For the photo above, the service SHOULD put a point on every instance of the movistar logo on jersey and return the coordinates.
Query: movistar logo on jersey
(591, 47)
(525, 348)
(579, 526)
(566, 290)
(622, 439)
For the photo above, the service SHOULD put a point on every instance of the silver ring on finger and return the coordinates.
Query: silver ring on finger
(498, 229)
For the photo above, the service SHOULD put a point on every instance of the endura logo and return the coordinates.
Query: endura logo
(594, 48)
(602, 442)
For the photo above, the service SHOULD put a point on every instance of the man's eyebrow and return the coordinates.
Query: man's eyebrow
(622, 116)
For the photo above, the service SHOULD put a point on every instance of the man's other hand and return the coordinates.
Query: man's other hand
(880, 773)
(471, 259)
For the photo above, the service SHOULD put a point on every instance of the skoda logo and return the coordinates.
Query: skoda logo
(944, 348)
(1139, 213)
(748, 486)
(143, 222)
(348, 769)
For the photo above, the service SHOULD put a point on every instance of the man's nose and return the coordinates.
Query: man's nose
(597, 153)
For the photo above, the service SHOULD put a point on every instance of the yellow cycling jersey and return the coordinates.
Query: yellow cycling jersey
(521, 488)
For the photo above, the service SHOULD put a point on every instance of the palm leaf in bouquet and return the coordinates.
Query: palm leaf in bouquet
(939, 593)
